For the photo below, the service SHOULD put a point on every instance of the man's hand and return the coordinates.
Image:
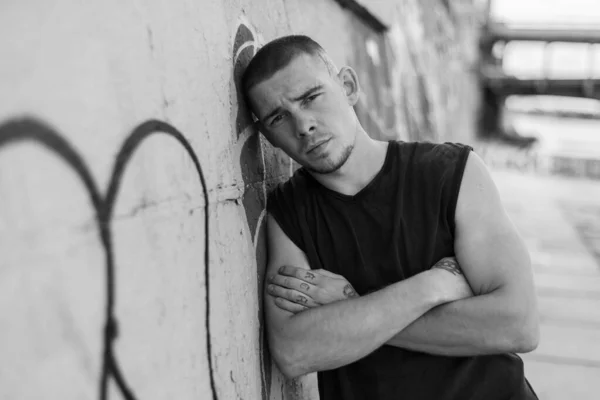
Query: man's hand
(297, 289)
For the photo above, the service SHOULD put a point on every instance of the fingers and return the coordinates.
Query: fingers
(349, 291)
(292, 283)
(299, 273)
(328, 273)
(291, 295)
(289, 306)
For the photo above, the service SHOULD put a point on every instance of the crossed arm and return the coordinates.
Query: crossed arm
(502, 316)
(310, 329)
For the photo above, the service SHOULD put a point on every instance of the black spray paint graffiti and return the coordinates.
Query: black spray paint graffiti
(253, 174)
(28, 129)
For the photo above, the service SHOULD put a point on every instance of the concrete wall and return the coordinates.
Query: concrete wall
(133, 188)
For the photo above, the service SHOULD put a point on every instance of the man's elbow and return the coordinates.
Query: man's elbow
(529, 339)
(290, 371)
(526, 333)
(290, 367)
(287, 358)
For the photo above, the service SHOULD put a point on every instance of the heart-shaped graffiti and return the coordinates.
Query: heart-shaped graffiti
(29, 129)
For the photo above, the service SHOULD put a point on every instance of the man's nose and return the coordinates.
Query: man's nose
(305, 124)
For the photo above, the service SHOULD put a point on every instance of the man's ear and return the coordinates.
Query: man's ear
(349, 80)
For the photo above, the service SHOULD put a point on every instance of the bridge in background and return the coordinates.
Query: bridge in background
(498, 85)
(494, 40)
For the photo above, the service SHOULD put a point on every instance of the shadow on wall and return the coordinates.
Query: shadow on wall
(32, 130)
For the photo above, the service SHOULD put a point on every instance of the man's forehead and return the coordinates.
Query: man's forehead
(302, 70)
(301, 74)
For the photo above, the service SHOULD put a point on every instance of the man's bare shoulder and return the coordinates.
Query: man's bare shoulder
(478, 193)
(487, 244)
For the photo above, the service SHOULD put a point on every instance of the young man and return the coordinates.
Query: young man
(365, 243)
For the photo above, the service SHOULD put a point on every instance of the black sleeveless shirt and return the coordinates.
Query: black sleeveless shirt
(397, 226)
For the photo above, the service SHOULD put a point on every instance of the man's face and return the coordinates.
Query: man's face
(304, 110)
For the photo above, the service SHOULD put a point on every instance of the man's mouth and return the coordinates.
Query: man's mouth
(316, 146)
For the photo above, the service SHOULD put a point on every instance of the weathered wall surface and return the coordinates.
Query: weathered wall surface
(436, 60)
(419, 76)
(133, 187)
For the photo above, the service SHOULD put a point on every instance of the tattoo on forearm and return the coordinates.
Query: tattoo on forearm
(449, 265)
(304, 286)
(349, 291)
(309, 275)
(302, 299)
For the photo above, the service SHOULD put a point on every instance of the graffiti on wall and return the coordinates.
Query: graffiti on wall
(32, 130)
(249, 144)
(252, 152)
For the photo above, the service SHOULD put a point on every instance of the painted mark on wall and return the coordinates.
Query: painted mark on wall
(252, 164)
(32, 130)
(251, 154)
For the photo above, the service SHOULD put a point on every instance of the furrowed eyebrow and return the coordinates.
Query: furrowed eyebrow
(303, 96)
(309, 92)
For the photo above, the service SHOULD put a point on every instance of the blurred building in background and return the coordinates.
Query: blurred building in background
(540, 69)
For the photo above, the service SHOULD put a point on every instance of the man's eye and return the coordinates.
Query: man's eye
(312, 97)
(276, 119)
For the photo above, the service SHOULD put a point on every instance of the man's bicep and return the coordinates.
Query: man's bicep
(281, 251)
(487, 245)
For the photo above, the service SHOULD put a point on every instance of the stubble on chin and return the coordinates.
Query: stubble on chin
(332, 165)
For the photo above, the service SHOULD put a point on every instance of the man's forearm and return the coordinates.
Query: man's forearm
(339, 333)
(492, 323)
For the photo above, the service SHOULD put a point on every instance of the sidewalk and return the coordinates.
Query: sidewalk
(560, 221)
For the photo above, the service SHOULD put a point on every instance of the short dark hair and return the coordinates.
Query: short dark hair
(276, 55)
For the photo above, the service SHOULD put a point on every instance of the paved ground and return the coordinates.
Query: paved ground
(560, 221)
(566, 146)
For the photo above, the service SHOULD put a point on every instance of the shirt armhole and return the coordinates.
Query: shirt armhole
(287, 230)
(459, 171)
(284, 213)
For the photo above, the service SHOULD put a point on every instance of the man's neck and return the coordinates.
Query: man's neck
(365, 161)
